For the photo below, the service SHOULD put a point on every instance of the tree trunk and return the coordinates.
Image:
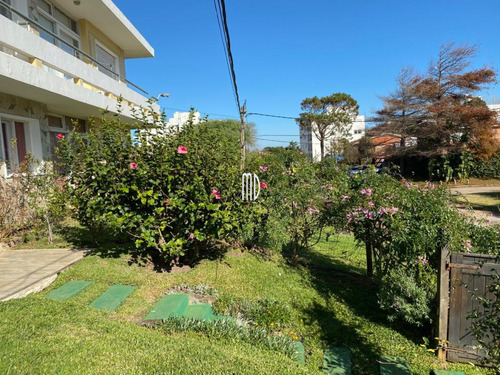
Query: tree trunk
(369, 259)
(322, 148)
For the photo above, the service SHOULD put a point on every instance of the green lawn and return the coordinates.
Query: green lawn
(333, 304)
(482, 201)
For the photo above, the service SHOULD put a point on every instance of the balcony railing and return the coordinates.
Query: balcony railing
(8, 10)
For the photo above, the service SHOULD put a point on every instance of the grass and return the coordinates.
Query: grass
(333, 304)
(482, 201)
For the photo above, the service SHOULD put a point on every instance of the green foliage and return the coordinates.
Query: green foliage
(487, 168)
(174, 192)
(227, 330)
(408, 296)
(269, 313)
(452, 166)
(298, 194)
(485, 322)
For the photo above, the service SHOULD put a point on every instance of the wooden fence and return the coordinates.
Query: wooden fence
(462, 278)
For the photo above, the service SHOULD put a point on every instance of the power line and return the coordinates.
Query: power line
(267, 115)
(271, 140)
(220, 10)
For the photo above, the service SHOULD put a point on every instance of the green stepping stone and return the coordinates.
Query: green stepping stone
(446, 372)
(300, 352)
(68, 290)
(168, 306)
(337, 361)
(393, 366)
(113, 297)
(201, 311)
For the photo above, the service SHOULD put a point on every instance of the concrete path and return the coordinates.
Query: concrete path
(475, 189)
(27, 271)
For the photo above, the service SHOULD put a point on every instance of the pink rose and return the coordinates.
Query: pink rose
(133, 165)
(263, 185)
(60, 136)
(191, 236)
(182, 150)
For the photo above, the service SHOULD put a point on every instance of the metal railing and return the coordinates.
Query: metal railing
(29, 21)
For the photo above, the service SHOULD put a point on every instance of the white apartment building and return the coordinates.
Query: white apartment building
(310, 144)
(62, 61)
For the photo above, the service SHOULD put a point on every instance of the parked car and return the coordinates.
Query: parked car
(356, 169)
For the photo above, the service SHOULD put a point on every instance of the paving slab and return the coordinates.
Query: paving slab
(337, 361)
(113, 297)
(68, 290)
(168, 306)
(393, 366)
(23, 272)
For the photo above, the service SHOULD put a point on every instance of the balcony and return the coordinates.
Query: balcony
(61, 76)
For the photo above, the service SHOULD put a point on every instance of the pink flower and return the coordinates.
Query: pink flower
(263, 185)
(367, 192)
(301, 153)
(191, 236)
(294, 204)
(60, 136)
(167, 202)
(215, 193)
(344, 197)
(133, 165)
(263, 168)
(311, 210)
(182, 150)
(371, 204)
(336, 168)
(329, 187)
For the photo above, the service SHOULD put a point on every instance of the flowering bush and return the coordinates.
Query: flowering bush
(175, 193)
(297, 195)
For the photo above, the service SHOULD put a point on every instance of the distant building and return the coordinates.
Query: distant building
(180, 118)
(496, 129)
(61, 62)
(310, 144)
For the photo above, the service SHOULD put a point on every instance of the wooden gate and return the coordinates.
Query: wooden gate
(463, 278)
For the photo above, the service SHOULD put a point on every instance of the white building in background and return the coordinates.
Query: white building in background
(180, 118)
(310, 144)
(62, 61)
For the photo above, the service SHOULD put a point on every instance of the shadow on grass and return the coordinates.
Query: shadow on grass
(351, 287)
(482, 201)
(107, 244)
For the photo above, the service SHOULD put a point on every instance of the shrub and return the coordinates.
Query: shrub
(32, 199)
(487, 168)
(299, 193)
(409, 297)
(176, 193)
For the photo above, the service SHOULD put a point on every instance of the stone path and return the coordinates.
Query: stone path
(23, 272)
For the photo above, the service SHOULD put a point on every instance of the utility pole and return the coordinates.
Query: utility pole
(243, 112)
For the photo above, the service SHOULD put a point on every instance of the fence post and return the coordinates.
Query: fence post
(444, 300)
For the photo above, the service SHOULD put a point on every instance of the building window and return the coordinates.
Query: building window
(108, 61)
(13, 143)
(4, 11)
(62, 125)
(56, 22)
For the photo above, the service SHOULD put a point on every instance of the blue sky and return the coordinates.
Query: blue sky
(287, 50)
